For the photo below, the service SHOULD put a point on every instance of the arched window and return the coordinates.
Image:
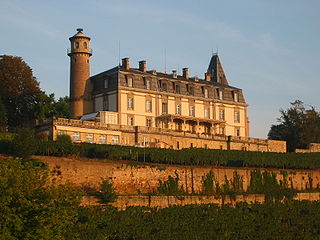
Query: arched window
(85, 45)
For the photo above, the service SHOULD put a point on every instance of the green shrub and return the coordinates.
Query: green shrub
(208, 183)
(24, 144)
(170, 186)
(107, 192)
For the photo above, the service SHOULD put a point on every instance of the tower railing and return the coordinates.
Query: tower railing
(69, 50)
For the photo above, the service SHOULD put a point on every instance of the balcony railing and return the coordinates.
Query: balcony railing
(82, 50)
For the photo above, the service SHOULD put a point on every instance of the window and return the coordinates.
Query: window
(207, 112)
(105, 83)
(164, 107)
(236, 116)
(130, 103)
(148, 106)
(85, 45)
(77, 44)
(177, 88)
(148, 122)
(129, 81)
(115, 139)
(102, 139)
(89, 137)
(62, 132)
(130, 121)
(235, 97)
(76, 136)
(105, 103)
(221, 130)
(191, 90)
(164, 87)
(221, 114)
(219, 94)
(147, 81)
(178, 108)
(192, 111)
(237, 132)
(206, 93)
(178, 145)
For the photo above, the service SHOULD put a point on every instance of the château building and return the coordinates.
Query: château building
(144, 107)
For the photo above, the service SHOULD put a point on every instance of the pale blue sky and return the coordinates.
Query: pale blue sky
(270, 49)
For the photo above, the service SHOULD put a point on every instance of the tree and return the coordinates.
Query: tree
(19, 90)
(24, 144)
(48, 107)
(297, 126)
(32, 207)
(3, 117)
(107, 193)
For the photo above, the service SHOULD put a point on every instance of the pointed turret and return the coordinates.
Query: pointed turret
(80, 88)
(215, 70)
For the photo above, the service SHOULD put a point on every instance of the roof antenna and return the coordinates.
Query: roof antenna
(119, 53)
(165, 60)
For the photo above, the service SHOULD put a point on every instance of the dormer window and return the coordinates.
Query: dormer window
(129, 81)
(164, 87)
(204, 92)
(235, 97)
(206, 95)
(219, 94)
(146, 83)
(177, 88)
(191, 90)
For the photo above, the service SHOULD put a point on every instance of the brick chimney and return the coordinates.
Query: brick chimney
(174, 74)
(185, 73)
(143, 66)
(126, 63)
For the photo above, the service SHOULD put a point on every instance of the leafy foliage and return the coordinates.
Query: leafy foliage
(298, 125)
(266, 183)
(30, 206)
(192, 156)
(24, 144)
(107, 193)
(49, 107)
(170, 187)
(3, 116)
(288, 220)
(19, 90)
(208, 183)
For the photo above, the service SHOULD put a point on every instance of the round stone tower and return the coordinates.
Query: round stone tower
(80, 89)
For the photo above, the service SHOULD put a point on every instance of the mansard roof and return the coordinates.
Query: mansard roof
(117, 77)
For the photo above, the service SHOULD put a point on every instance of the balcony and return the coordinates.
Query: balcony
(80, 50)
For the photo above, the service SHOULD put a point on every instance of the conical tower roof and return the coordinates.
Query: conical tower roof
(215, 69)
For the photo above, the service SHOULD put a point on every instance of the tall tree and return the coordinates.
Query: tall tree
(48, 107)
(297, 126)
(3, 117)
(19, 90)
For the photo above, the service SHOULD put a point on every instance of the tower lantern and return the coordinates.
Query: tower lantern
(80, 87)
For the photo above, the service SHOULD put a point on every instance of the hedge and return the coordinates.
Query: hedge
(187, 156)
